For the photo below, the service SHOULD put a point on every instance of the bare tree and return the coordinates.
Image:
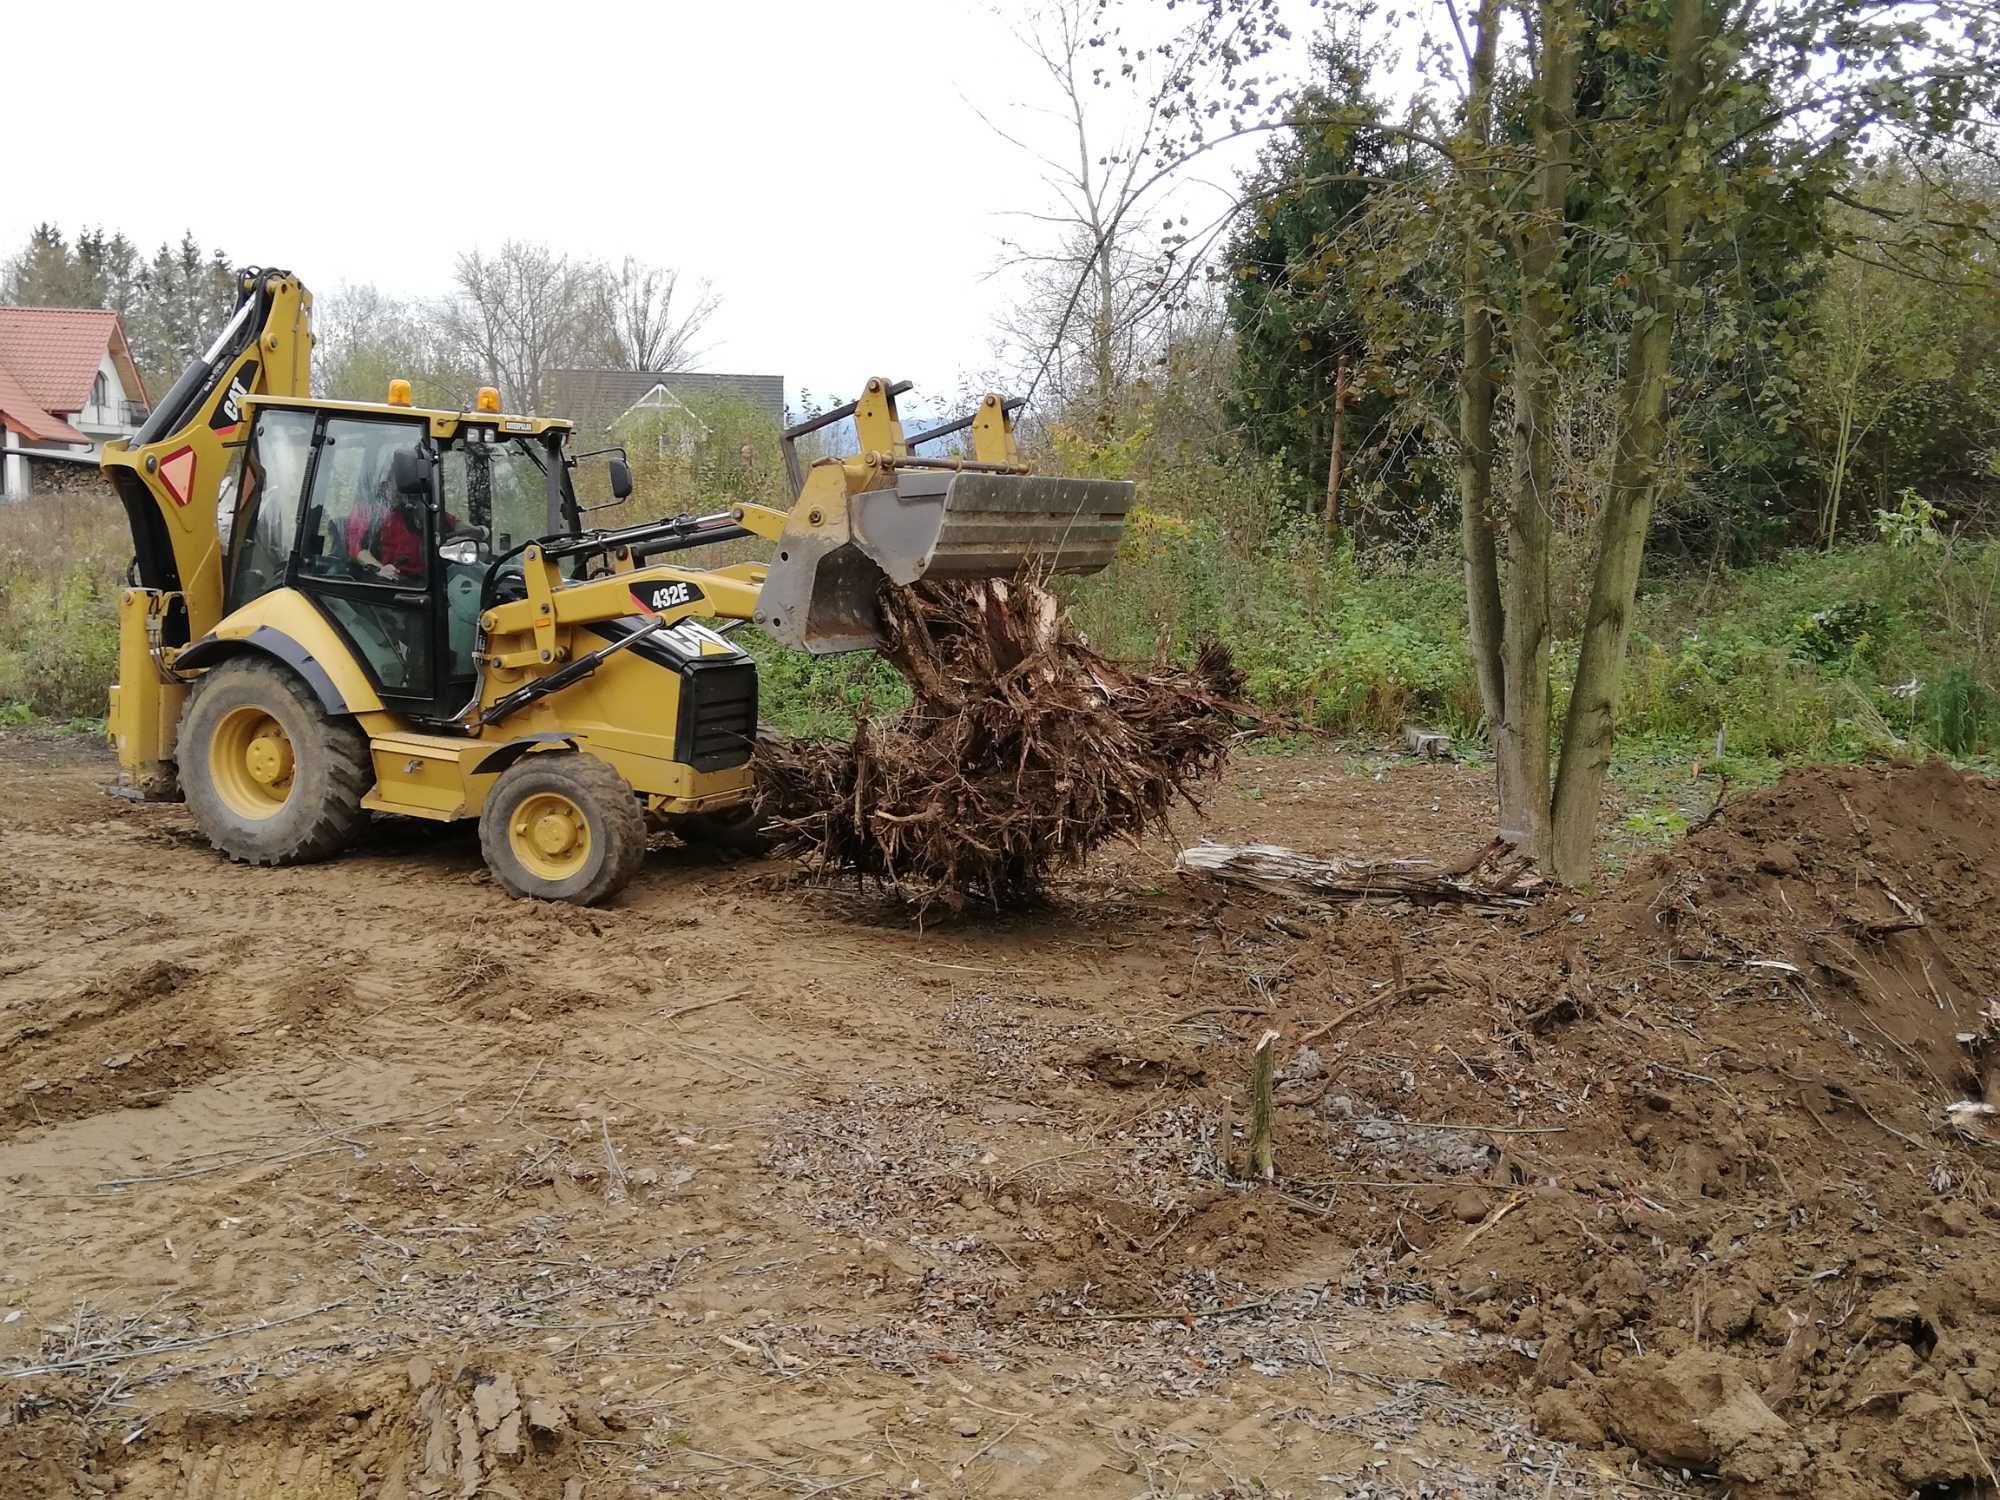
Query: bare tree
(520, 313)
(363, 338)
(641, 326)
(1092, 291)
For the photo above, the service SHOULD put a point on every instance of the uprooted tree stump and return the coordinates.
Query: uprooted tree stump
(1023, 749)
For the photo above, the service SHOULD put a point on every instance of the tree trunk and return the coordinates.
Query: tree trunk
(1333, 455)
(1104, 334)
(1635, 478)
(1476, 392)
(1521, 738)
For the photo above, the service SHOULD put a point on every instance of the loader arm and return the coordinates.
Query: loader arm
(170, 476)
(884, 516)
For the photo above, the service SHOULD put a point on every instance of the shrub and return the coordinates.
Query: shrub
(62, 560)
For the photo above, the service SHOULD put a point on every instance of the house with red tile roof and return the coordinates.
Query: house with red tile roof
(67, 384)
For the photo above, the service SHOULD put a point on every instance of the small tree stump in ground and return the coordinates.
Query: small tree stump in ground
(1263, 1063)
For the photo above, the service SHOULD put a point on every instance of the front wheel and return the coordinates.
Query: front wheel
(562, 826)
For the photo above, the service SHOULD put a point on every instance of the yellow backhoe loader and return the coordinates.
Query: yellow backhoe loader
(348, 607)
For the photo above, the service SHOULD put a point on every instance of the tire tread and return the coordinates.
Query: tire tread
(597, 787)
(350, 770)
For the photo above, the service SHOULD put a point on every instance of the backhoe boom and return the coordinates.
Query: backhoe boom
(169, 477)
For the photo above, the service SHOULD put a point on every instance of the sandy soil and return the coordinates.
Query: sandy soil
(364, 1180)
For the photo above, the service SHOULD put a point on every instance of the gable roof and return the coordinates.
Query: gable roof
(53, 353)
(594, 399)
(20, 412)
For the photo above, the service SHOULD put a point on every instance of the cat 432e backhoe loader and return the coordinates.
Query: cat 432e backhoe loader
(342, 607)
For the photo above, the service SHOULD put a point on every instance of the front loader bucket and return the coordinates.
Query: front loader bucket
(935, 525)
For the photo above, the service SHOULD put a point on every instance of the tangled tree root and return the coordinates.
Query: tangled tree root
(1022, 751)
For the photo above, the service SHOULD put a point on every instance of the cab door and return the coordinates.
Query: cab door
(269, 485)
(365, 554)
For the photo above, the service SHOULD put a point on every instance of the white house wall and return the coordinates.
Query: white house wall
(105, 420)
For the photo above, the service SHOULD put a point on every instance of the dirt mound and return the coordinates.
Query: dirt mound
(119, 1042)
(1021, 751)
(1686, 1148)
(1871, 883)
(1761, 1246)
(390, 1433)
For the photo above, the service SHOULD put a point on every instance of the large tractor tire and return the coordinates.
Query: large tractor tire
(562, 826)
(271, 777)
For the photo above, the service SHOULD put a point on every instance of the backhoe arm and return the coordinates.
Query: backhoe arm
(169, 477)
(170, 474)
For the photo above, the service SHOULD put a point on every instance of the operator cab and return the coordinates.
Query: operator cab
(400, 525)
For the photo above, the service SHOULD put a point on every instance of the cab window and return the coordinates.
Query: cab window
(496, 491)
(360, 528)
(498, 485)
(267, 503)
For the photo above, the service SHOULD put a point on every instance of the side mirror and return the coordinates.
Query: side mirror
(410, 472)
(621, 479)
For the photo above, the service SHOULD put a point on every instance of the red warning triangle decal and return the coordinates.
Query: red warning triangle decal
(177, 474)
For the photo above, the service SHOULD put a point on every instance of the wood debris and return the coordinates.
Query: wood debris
(1491, 876)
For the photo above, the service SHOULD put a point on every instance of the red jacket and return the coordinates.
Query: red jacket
(391, 538)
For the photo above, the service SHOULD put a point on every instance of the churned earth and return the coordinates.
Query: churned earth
(364, 1180)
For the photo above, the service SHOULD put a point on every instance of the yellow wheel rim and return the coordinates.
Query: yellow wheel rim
(550, 836)
(251, 762)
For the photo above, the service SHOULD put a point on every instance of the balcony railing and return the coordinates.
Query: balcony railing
(113, 414)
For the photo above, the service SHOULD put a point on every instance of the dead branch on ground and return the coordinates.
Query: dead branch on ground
(1490, 877)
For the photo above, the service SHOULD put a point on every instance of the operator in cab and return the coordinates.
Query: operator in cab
(385, 533)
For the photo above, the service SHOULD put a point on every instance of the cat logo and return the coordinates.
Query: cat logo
(655, 598)
(229, 410)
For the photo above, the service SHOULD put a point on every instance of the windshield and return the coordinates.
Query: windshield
(499, 486)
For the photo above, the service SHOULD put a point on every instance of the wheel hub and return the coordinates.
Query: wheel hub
(270, 759)
(554, 834)
(550, 836)
(251, 762)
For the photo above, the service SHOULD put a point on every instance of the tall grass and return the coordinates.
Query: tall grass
(1812, 656)
(62, 564)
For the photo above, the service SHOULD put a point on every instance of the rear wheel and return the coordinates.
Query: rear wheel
(271, 777)
(562, 826)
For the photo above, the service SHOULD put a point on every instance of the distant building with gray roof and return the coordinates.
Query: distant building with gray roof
(595, 400)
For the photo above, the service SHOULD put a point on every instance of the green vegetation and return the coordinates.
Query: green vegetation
(62, 563)
(1814, 656)
(1885, 645)
(800, 694)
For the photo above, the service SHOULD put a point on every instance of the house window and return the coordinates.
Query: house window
(100, 391)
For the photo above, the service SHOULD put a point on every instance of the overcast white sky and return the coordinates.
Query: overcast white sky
(821, 163)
